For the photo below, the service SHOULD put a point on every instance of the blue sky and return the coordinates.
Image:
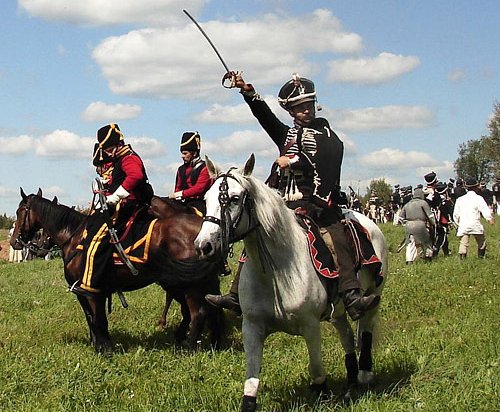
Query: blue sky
(403, 83)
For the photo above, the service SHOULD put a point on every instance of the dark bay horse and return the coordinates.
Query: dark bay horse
(172, 263)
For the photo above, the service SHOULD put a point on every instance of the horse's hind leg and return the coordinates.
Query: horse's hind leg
(162, 323)
(346, 336)
(365, 344)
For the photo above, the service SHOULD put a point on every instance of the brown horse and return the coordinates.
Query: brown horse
(172, 263)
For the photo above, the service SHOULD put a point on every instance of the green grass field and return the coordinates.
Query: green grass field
(437, 347)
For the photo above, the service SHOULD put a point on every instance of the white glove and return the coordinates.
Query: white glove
(175, 195)
(119, 194)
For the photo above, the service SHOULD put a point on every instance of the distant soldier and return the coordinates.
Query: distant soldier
(406, 195)
(487, 194)
(373, 205)
(396, 203)
(458, 190)
(496, 194)
(419, 224)
(443, 219)
(467, 214)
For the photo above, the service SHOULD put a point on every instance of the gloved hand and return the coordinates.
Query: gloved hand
(175, 195)
(119, 194)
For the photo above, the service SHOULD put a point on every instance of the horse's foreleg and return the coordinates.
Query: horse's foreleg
(216, 326)
(253, 343)
(182, 329)
(95, 313)
(198, 314)
(316, 370)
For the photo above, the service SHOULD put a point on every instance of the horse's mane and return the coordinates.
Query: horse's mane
(275, 218)
(56, 216)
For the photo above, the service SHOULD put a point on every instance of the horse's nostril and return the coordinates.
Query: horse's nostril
(207, 249)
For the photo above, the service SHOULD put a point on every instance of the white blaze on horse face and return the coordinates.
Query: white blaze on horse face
(209, 233)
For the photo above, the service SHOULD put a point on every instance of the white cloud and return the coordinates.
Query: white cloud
(241, 143)
(99, 111)
(380, 118)
(146, 147)
(381, 69)
(177, 61)
(239, 113)
(350, 148)
(6, 192)
(388, 158)
(16, 145)
(456, 76)
(443, 170)
(62, 144)
(111, 12)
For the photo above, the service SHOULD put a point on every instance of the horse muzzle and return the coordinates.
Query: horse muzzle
(16, 243)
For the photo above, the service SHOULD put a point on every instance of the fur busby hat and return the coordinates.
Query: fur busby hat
(109, 135)
(430, 178)
(191, 141)
(441, 187)
(296, 91)
(471, 182)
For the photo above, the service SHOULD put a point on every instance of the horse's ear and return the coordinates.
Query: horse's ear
(55, 200)
(39, 193)
(212, 168)
(23, 195)
(249, 165)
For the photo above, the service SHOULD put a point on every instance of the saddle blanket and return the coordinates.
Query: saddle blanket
(359, 239)
(136, 243)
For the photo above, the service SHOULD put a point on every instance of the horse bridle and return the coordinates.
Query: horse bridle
(226, 223)
(19, 238)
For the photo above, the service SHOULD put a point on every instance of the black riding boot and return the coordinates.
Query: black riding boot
(481, 253)
(231, 300)
(356, 305)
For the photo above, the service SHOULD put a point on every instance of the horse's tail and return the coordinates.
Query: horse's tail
(190, 271)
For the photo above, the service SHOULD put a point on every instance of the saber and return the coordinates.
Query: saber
(208, 39)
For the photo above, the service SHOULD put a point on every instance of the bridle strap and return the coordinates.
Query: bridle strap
(226, 223)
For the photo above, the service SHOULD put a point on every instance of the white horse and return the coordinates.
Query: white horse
(279, 288)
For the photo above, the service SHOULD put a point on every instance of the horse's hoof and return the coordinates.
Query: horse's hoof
(104, 349)
(351, 393)
(249, 404)
(365, 377)
(319, 389)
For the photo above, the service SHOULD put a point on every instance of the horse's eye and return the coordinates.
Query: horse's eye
(235, 199)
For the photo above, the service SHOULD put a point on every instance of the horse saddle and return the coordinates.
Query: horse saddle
(322, 253)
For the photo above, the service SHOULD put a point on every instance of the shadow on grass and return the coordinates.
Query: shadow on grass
(125, 341)
(295, 397)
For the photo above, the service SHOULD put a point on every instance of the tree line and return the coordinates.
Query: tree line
(480, 158)
(477, 158)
